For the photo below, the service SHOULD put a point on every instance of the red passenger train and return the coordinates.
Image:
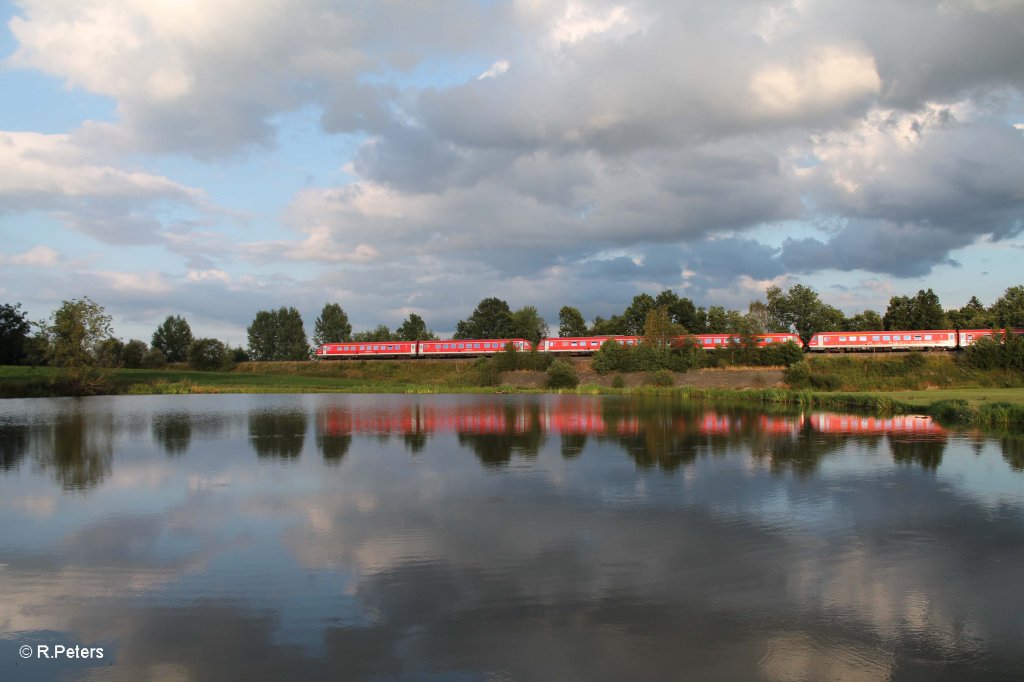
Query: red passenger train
(822, 342)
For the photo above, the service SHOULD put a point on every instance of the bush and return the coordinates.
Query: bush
(208, 355)
(613, 357)
(154, 359)
(562, 374)
(798, 375)
(662, 377)
(134, 354)
(618, 381)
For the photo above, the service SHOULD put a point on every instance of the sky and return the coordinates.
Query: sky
(214, 159)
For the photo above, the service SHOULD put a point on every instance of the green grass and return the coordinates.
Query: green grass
(943, 393)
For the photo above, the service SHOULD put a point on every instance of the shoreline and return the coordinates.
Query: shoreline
(980, 407)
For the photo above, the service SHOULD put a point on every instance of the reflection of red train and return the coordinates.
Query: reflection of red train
(903, 424)
(586, 417)
(926, 339)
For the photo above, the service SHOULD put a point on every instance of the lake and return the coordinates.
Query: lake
(370, 537)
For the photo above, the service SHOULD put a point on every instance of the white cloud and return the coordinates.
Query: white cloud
(38, 256)
(496, 69)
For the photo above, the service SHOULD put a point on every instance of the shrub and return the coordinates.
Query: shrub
(798, 375)
(662, 377)
(134, 354)
(618, 381)
(154, 359)
(562, 374)
(208, 354)
(613, 357)
(507, 360)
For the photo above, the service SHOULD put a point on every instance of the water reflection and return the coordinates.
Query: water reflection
(554, 537)
(173, 430)
(278, 433)
(654, 433)
(76, 448)
(13, 445)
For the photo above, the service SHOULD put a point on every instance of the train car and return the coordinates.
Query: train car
(382, 350)
(711, 341)
(469, 347)
(969, 336)
(580, 345)
(918, 339)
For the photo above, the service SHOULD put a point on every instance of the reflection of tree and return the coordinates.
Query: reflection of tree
(926, 452)
(173, 430)
(77, 449)
(13, 445)
(800, 451)
(415, 441)
(573, 444)
(333, 434)
(496, 449)
(277, 433)
(1013, 450)
(333, 448)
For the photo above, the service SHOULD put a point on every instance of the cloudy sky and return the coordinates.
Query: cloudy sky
(211, 159)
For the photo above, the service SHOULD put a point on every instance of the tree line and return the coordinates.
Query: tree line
(79, 332)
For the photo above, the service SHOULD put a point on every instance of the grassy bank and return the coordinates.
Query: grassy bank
(920, 383)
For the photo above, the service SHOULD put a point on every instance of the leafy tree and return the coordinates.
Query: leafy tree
(613, 327)
(635, 316)
(528, 324)
(332, 326)
(492, 319)
(571, 322)
(659, 329)
(109, 353)
(759, 319)
(172, 338)
(700, 322)
(414, 329)
(278, 335)
(923, 311)
(680, 310)
(75, 332)
(1008, 311)
(14, 329)
(208, 355)
(867, 321)
(973, 315)
(134, 354)
(154, 359)
(380, 333)
(802, 311)
(718, 321)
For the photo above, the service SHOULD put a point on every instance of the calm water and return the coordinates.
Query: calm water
(503, 538)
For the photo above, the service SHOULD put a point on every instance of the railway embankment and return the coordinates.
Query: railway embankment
(932, 383)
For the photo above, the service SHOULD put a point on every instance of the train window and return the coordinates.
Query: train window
(863, 338)
(842, 338)
(462, 345)
(768, 339)
(875, 337)
(476, 345)
(927, 337)
(718, 341)
(886, 337)
(593, 343)
(573, 344)
(917, 337)
(906, 337)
